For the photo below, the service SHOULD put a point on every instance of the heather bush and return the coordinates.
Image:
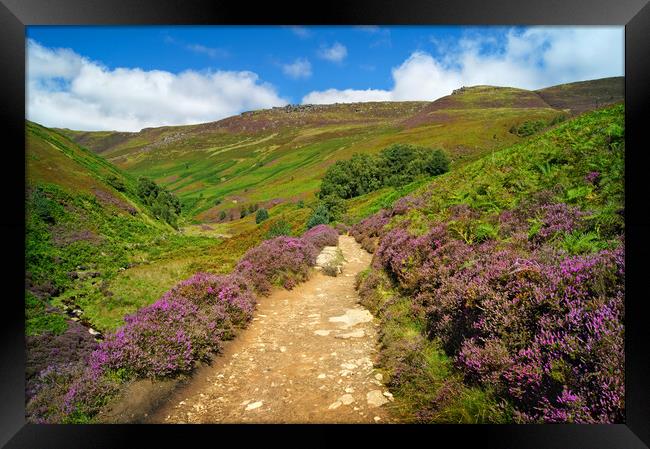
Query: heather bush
(544, 330)
(162, 339)
(69, 393)
(231, 291)
(74, 344)
(372, 226)
(321, 236)
(282, 261)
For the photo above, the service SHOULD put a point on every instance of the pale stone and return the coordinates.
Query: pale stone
(379, 377)
(352, 317)
(322, 376)
(254, 405)
(335, 405)
(346, 399)
(358, 333)
(322, 332)
(376, 398)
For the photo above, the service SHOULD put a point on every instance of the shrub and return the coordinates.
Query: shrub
(282, 261)
(45, 208)
(116, 183)
(321, 236)
(162, 339)
(261, 215)
(222, 215)
(320, 216)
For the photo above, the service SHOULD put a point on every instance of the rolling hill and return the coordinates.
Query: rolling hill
(278, 155)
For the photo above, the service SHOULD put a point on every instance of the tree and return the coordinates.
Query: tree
(320, 216)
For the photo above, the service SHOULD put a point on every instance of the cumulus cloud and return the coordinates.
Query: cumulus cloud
(335, 53)
(346, 96)
(300, 68)
(67, 90)
(531, 59)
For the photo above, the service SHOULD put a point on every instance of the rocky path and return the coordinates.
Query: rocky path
(307, 357)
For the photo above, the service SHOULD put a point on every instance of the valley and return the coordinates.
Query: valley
(535, 179)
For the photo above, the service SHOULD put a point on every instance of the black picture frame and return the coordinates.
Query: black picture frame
(16, 14)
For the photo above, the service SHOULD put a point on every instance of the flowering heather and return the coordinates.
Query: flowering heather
(543, 330)
(592, 177)
(283, 261)
(68, 393)
(321, 236)
(162, 339)
(559, 218)
(205, 289)
(367, 231)
(404, 204)
(47, 349)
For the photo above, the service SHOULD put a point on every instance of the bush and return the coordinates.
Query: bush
(320, 216)
(261, 215)
(45, 208)
(545, 331)
(116, 183)
(282, 261)
(222, 215)
(321, 236)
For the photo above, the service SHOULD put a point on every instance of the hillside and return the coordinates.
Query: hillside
(500, 285)
(271, 156)
(584, 96)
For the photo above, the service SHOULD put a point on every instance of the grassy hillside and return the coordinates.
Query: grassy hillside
(585, 95)
(500, 284)
(271, 156)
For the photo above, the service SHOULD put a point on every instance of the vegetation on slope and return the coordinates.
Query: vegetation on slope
(500, 285)
(278, 155)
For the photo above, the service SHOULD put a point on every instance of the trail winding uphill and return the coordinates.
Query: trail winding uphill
(307, 357)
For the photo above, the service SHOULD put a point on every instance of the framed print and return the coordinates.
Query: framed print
(425, 218)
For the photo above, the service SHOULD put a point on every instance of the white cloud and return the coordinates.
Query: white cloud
(67, 90)
(300, 31)
(300, 68)
(212, 52)
(531, 59)
(335, 53)
(346, 96)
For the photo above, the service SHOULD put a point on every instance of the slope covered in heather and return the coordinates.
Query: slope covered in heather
(500, 284)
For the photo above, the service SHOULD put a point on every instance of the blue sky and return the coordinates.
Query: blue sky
(127, 78)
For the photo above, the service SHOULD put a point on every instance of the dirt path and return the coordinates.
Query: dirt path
(306, 357)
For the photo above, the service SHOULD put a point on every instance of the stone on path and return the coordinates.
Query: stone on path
(376, 398)
(254, 405)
